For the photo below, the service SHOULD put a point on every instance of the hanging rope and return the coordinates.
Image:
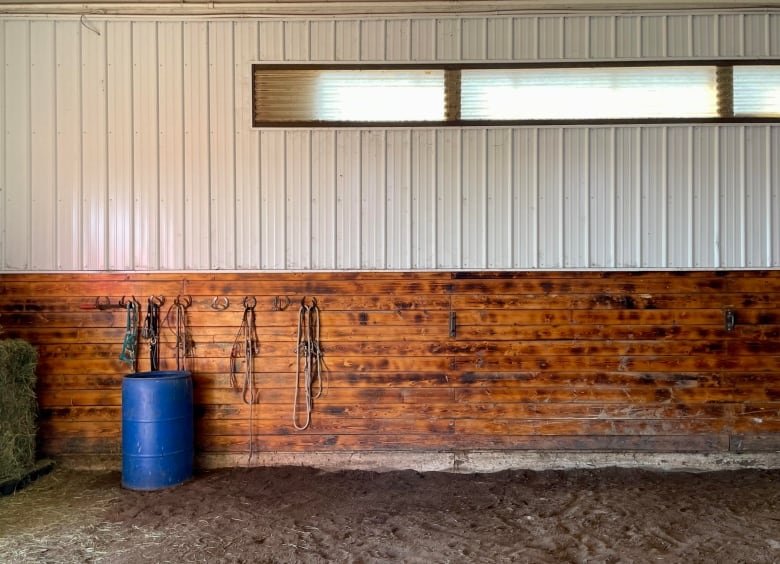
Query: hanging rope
(151, 330)
(308, 354)
(246, 345)
(129, 354)
(180, 328)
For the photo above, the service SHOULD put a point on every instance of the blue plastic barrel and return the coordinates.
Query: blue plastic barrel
(157, 433)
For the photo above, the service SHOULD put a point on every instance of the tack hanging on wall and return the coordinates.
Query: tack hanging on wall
(308, 362)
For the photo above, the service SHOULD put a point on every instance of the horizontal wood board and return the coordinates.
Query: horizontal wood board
(612, 361)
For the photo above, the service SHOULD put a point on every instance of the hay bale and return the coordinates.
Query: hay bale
(18, 408)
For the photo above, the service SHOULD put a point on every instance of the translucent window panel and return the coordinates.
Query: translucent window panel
(327, 95)
(588, 93)
(757, 91)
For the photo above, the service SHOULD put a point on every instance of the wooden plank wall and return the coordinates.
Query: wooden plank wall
(615, 361)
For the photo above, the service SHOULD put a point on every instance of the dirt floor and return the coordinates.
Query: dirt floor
(305, 515)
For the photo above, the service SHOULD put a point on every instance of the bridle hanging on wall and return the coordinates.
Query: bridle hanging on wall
(309, 353)
(151, 330)
(246, 345)
(180, 328)
(129, 354)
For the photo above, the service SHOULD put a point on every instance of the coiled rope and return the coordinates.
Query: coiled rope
(246, 345)
(308, 355)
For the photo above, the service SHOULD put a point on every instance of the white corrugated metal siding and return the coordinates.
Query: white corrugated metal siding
(128, 145)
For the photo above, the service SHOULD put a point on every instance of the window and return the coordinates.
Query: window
(349, 95)
(472, 94)
(588, 93)
(757, 91)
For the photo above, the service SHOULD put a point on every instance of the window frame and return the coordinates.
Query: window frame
(724, 88)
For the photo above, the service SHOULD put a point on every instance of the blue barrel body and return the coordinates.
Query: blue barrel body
(157, 429)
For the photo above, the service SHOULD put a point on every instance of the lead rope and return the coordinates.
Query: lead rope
(307, 350)
(129, 354)
(181, 331)
(246, 344)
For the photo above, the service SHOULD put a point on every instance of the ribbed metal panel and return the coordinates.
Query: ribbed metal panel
(449, 199)
(678, 36)
(348, 40)
(757, 198)
(373, 199)
(500, 241)
(448, 39)
(323, 199)
(18, 220)
(132, 149)
(119, 74)
(68, 134)
(474, 196)
(499, 38)
(774, 197)
(298, 202)
(273, 194)
(601, 200)
(271, 37)
(4, 134)
(43, 147)
(550, 193)
(322, 41)
(247, 150)
(222, 144)
(576, 37)
(628, 200)
(550, 37)
(654, 190)
(399, 200)
(423, 40)
(349, 199)
(372, 40)
(398, 40)
(94, 164)
(424, 198)
(475, 39)
(705, 197)
(525, 198)
(679, 196)
(170, 63)
(197, 186)
(653, 36)
(576, 192)
(146, 189)
(296, 41)
(732, 196)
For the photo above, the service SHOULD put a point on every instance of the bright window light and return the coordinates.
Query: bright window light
(588, 93)
(757, 91)
(328, 95)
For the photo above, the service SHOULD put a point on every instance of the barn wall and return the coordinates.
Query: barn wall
(573, 361)
(127, 146)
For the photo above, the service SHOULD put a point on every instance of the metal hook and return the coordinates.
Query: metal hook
(102, 302)
(157, 300)
(250, 302)
(184, 301)
(730, 319)
(280, 304)
(220, 304)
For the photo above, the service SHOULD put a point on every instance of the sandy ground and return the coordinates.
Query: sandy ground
(305, 515)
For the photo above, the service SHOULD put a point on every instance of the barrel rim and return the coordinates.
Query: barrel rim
(159, 375)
